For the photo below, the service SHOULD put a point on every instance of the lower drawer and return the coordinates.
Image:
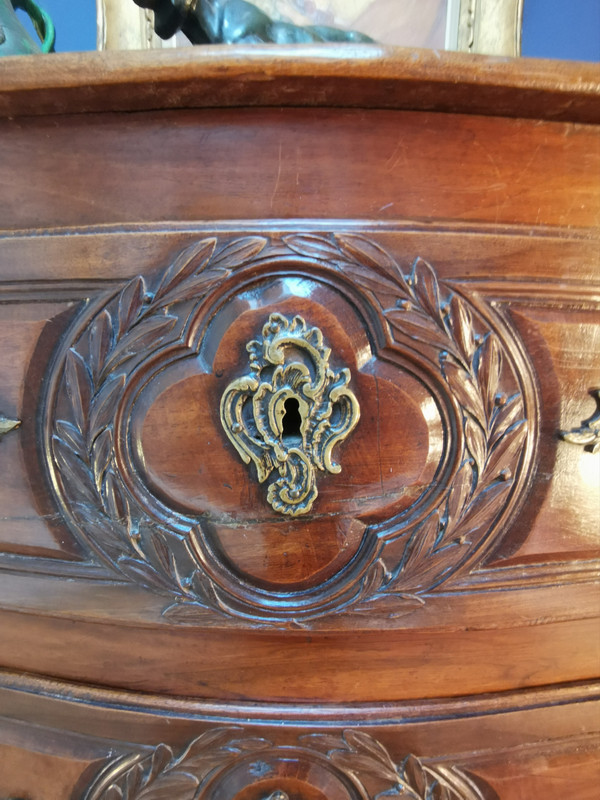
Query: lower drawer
(66, 742)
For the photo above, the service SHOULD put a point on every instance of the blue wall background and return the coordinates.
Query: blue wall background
(568, 29)
(75, 23)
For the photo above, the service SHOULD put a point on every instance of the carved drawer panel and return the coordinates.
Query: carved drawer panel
(299, 445)
(162, 390)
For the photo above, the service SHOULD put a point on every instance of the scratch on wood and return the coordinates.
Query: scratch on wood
(278, 175)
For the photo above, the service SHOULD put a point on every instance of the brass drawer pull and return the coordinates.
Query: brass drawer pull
(587, 435)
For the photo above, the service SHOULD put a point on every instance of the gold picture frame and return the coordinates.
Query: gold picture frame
(491, 27)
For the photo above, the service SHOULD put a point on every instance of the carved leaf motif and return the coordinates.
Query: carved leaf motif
(69, 435)
(423, 541)
(416, 326)
(104, 404)
(465, 389)
(359, 741)
(207, 743)
(461, 321)
(130, 304)
(376, 577)
(455, 784)
(101, 455)
(388, 604)
(135, 780)
(415, 775)
(507, 447)
(319, 247)
(461, 489)
(155, 551)
(141, 572)
(100, 342)
(489, 370)
(114, 499)
(240, 251)
(162, 756)
(366, 253)
(362, 764)
(94, 376)
(190, 260)
(426, 290)
(484, 508)
(192, 611)
(377, 284)
(196, 285)
(321, 742)
(79, 389)
(73, 471)
(476, 443)
(147, 333)
(103, 532)
(504, 417)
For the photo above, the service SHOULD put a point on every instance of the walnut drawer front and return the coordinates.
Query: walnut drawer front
(298, 433)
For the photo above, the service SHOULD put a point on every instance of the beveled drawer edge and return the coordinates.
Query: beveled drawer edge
(48, 690)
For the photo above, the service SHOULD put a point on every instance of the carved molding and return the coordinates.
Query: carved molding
(7, 425)
(588, 433)
(362, 768)
(472, 359)
(327, 411)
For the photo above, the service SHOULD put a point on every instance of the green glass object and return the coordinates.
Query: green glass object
(14, 39)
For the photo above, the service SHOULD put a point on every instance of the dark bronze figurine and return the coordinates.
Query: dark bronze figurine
(234, 22)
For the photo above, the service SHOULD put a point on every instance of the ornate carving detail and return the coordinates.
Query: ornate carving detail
(81, 448)
(483, 382)
(471, 361)
(588, 433)
(7, 425)
(355, 758)
(325, 412)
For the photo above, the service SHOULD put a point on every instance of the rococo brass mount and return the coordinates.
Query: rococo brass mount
(290, 412)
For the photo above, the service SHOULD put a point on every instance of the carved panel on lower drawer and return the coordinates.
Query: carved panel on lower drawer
(223, 763)
(428, 479)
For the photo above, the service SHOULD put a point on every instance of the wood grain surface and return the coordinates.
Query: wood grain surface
(436, 218)
(329, 75)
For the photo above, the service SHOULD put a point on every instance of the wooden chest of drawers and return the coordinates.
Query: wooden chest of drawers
(299, 358)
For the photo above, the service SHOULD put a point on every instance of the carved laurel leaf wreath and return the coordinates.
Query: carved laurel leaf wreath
(420, 313)
(355, 756)
(420, 310)
(96, 368)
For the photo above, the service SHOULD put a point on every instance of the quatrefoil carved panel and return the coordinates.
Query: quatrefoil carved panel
(436, 348)
(289, 412)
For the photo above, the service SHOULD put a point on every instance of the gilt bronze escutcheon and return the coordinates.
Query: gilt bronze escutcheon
(290, 411)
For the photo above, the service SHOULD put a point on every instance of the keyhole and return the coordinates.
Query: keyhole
(292, 420)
